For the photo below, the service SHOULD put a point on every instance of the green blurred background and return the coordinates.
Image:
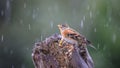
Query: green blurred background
(24, 22)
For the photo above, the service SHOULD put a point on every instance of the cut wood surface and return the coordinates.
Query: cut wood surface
(48, 54)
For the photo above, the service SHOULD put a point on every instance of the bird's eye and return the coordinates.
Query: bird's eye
(70, 35)
(64, 25)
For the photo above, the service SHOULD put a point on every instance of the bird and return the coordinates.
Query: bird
(70, 35)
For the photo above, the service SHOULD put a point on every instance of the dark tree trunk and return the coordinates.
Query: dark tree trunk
(47, 54)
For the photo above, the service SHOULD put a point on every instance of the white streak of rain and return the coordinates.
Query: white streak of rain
(37, 9)
(90, 14)
(107, 25)
(94, 29)
(13, 66)
(51, 24)
(29, 26)
(88, 7)
(2, 38)
(21, 21)
(33, 14)
(11, 52)
(49, 9)
(23, 66)
(98, 46)
(104, 47)
(41, 38)
(27, 48)
(97, 12)
(8, 4)
(2, 12)
(84, 18)
(81, 24)
(109, 19)
(114, 38)
(24, 5)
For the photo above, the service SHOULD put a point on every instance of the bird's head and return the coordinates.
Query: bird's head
(63, 26)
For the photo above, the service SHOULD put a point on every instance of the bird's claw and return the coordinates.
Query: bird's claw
(60, 43)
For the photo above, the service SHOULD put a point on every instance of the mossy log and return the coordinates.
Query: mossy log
(47, 54)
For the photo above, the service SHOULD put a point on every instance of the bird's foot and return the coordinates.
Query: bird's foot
(60, 43)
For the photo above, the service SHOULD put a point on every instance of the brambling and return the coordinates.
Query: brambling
(70, 35)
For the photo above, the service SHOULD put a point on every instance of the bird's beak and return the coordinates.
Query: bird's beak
(58, 26)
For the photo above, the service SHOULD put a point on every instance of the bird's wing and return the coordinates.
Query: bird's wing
(70, 33)
(77, 36)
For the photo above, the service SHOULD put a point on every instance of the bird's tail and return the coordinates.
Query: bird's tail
(89, 44)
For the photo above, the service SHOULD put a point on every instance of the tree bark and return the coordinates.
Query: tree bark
(47, 54)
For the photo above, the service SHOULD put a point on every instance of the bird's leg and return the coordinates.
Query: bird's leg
(61, 41)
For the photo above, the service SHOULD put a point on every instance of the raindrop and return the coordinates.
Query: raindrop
(29, 26)
(51, 24)
(109, 54)
(38, 9)
(102, 55)
(33, 15)
(104, 47)
(7, 4)
(41, 38)
(21, 21)
(56, 7)
(84, 18)
(88, 7)
(2, 38)
(11, 52)
(81, 24)
(49, 8)
(2, 12)
(98, 46)
(97, 13)
(23, 66)
(24, 5)
(107, 25)
(114, 38)
(12, 66)
(109, 19)
(27, 48)
(90, 14)
(94, 29)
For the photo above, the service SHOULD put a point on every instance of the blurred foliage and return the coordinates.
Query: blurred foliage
(24, 22)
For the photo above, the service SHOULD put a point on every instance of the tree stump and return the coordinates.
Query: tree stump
(48, 54)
